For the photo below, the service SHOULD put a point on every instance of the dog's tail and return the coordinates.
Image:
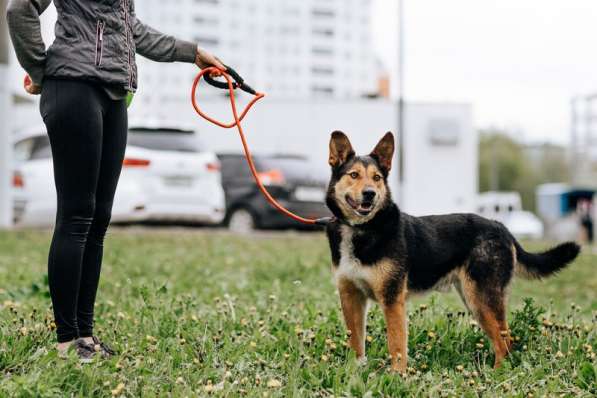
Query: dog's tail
(549, 262)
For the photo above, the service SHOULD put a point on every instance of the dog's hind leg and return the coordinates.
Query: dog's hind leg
(488, 307)
(354, 308)
(458, 287)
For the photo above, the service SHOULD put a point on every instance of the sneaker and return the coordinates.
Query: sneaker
(105, 350)
(84, 351)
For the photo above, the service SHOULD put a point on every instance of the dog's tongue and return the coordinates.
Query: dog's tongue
(351, 202)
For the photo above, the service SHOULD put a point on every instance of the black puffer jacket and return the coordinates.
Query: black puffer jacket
(95, 40)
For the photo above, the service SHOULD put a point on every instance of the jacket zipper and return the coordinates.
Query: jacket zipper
(99, 42)
(128, 45)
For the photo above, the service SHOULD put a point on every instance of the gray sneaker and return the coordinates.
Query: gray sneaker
(105, 350)
(84, 351)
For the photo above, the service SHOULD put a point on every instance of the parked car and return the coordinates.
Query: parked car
(506, 207)
(166, 176)
(289, 179)
(524, 225)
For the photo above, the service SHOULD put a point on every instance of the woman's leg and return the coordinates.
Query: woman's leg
(114, 144)
(72, 112)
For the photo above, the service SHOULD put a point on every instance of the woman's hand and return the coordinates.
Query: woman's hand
(205, 59)
(31, 87)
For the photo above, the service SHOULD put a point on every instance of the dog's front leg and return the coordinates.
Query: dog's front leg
(397, 330)
(354, 308)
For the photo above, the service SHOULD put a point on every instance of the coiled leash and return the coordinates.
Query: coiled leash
(235, 81)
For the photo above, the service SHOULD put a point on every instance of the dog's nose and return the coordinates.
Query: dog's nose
(368, 195)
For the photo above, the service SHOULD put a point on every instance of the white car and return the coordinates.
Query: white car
(524, 225)
(166, 176)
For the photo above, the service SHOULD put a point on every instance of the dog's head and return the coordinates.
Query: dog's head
(358, 188)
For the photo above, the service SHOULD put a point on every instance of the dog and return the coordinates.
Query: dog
(382, 254)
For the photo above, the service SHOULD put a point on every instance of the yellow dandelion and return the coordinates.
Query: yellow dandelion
(369, 339)
(459, 368)
(431, 335)
(273, 383)
(253, 344)
(118, 390)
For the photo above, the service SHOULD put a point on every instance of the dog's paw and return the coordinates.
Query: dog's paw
(362, 361)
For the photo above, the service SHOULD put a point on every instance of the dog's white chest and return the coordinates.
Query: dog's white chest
(350, 268)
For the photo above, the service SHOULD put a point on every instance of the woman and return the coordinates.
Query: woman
(84, 79)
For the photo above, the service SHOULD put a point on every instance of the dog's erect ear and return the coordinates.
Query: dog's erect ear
(340, 149)
(384, 152)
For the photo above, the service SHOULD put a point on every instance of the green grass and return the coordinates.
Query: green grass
(194, 313)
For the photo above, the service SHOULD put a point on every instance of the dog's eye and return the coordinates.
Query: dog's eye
(354, 175)
(377, 178)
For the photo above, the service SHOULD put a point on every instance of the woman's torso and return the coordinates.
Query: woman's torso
(94, 41)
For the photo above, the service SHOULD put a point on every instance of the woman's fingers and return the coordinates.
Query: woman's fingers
(32, 88)
(205, 59)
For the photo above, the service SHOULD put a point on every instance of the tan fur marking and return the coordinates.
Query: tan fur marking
(397, 330)
(354, 187)
(354, 308)
(492, 320)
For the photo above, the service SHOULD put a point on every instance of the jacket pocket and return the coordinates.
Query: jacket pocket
(99, 42)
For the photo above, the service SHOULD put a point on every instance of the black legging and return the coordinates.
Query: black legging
(88, 132)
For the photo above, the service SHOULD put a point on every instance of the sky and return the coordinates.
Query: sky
(518, 62)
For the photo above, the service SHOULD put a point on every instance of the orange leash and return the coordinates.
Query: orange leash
(231, 86)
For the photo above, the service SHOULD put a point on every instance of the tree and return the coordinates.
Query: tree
(506, 165)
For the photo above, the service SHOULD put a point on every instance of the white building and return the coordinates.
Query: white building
(286, 48)
(440, 143)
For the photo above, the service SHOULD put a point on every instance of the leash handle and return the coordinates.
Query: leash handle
(239, 82)
(229, 74)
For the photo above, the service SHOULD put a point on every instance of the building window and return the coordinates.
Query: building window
(322, 70)
(205, 21)
(207, 41)
(324, 32)
(322, 90)
(321, 13)
(322, 51)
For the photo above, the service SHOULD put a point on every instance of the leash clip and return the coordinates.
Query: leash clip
(239, 82)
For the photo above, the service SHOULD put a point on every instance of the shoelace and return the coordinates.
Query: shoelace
(104, 347)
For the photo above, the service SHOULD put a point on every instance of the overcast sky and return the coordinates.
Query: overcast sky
(517, 61)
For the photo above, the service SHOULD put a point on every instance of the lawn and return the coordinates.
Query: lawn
(198, 313)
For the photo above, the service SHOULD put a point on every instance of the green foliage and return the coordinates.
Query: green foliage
(506, 165)
(210, 314)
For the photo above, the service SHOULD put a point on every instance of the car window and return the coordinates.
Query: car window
(291, 167)
(165, 139)
(32, 148)
(22, 149)
(234, 167)
(41, 148)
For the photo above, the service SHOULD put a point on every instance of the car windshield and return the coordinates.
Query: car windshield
(165, 139)
(292, 167)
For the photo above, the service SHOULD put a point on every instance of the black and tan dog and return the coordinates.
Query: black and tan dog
(382, 254)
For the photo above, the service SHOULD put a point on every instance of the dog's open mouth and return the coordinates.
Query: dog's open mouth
(363, 208)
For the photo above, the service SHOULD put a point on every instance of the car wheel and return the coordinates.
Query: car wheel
(242, 221)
